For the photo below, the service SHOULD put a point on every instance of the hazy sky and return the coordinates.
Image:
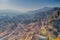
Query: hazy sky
(27, 5)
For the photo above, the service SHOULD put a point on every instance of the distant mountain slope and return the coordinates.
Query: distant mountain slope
(34, 15)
